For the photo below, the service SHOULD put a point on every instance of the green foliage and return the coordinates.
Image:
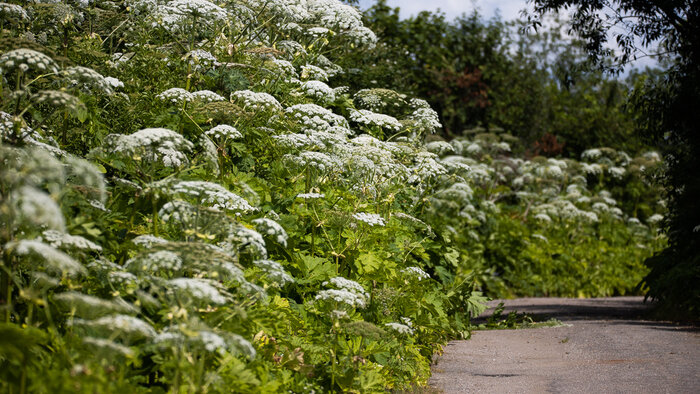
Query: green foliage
(215, 214)
(665, 106)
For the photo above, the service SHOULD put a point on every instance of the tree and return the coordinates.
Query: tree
(669, 114)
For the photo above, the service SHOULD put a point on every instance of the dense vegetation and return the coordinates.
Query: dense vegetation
(192, 201)
(666, 111)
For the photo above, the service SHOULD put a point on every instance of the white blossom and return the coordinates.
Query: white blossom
(318, 90)
(199, 290)
(317, 160)
(45, 257)
(440, 148)
(151, 145)
(177, 15)
(35, 207)
(400, 328)
(315, 116)
(416, 272)
(224, 132)
(372, 219)
(27, 59)
(110, 347)
(162, 260)
(310, 196)
(369, 118)
(124, 326)
(61, 240)
(311, 72)
(209, 194)
(342, 296)
(88, 79)
(273, 229)
(88, 306)
(176, 96)
(13, 11)
(256, 101)
(426, 120)
(274, 271)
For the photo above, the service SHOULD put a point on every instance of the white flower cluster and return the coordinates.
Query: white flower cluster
(241, 237)
(10, 11)
(426, 166)
(591, 154)
(126, 327)
(292, 49)
(285, 67)
(274, 271)
(566, 210)
(159, 261)
(198, 290)
(316, 160)
(416, 272)
(317, 32)
(206, 96)
(179, 213)
(25, 60)
(440, 148)
(655, 218)
(293, 10)
(347, 292)
(617, 172)
(318, 90)
(371, 219)
(316, 117)
(502, 146)
(65, 241)
(210, 194)
(362, 36)
(148, 240)
(206, 339)
(45, 257)
(151, 145)
(37, 208)
(59, 99)
(175, 96)
(201, 58)
(88, 79)
(256, 101)
(594, 168)
(108, 346)
(224, 132)
(178, 15)
(315, 73)
(333, 14)
(310, 196)
(88, 306)
(400, 328)
(19, 131)
(369, 118)
(270, 227)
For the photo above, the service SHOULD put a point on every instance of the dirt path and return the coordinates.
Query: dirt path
(605, 347)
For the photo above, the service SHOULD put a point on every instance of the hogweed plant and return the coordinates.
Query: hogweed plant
(191, 202)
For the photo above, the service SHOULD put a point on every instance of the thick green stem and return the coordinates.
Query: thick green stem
(155, 217)
(7, 285)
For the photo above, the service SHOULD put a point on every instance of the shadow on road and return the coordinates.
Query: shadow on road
(539, 309)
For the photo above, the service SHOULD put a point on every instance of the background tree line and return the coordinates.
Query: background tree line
(492, 74)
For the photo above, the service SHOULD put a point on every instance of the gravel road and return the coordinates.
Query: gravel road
(605, 346)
